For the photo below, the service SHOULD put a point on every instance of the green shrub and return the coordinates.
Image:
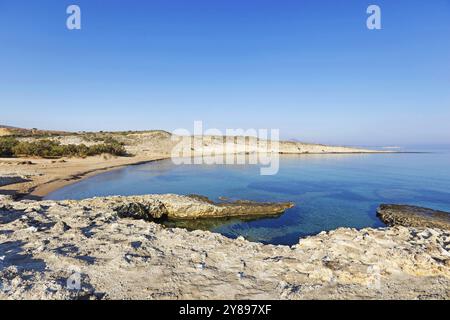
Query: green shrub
(10, 147)
(6, 146)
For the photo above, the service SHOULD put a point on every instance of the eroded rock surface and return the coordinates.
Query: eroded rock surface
(85, 250)
(412, 216)
(172, 206)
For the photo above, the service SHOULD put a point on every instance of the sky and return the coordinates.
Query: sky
(311, 69)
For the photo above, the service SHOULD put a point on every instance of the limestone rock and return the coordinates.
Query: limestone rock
(61, 227)
(412, 216)
(157, 206)
(146, 209)
(194, 207)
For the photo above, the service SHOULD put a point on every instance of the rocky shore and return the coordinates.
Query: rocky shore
(88, 250)
(172, 206)
(413, 216)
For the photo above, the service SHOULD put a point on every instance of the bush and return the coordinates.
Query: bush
(10, 147)
(6, 146)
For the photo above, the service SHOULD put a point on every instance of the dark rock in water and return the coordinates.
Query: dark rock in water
(412, 216)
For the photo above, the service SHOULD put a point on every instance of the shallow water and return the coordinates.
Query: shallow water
(329, 191)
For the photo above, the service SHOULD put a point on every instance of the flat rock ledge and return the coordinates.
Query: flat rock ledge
(85, 250)
(412, 216)
(172, 206)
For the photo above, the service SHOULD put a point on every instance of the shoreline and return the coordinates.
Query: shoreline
(40, 189)
(42, 176)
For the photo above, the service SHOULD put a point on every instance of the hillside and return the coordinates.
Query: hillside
(14, 131)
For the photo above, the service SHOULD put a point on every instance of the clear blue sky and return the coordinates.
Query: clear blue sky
(310, 68)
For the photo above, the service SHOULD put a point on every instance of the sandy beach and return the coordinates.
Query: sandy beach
(43, 176)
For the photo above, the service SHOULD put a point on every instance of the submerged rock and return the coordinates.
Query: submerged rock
(412, 216)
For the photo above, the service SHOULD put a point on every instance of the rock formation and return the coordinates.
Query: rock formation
(412, 216)
(172, 206)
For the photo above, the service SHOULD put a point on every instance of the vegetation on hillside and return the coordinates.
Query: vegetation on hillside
(11, 147)
(105, 136)
(7, 145)
(35, 133)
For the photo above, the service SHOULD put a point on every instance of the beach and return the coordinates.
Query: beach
(43, 176)
(46, 175)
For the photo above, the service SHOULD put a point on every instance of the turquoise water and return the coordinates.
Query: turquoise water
(329, 191)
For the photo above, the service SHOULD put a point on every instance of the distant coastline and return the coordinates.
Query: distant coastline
(46, 175)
